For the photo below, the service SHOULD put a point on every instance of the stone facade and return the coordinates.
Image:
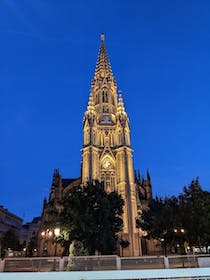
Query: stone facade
(29, 232)
(46, 236)
(9, 221)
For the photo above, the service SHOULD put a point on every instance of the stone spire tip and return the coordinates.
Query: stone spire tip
(120, 93)
(102, 37)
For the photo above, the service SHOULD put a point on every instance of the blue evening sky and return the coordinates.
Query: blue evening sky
(160, 56)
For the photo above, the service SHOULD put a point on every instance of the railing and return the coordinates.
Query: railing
(88, 263)
(143, 262)
(170, 274)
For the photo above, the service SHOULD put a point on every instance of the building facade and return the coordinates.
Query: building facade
(107, 154)
(9, 221)
(28, 236)
(46, 234)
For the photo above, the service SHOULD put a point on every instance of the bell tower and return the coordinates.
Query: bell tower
(106, 151)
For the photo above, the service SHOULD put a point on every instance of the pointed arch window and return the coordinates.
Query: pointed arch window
(108, 174)
(112, 99)
(96, 99)
(104, 97)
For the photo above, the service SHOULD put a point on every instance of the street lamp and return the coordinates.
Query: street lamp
(48, 234)
(179, 232)
(56, 233)
(176, 230)
(163, 244)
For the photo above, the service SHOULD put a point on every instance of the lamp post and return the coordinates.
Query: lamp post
(180, 233)
(163, 244)
(48, 234)
(56, 233)
(181, 230)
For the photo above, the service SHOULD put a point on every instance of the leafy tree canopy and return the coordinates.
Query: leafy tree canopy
(92, 216)
(9, 240)
(194, 204)
(185, 218)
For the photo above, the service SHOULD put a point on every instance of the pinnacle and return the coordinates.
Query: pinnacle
(120, 108)
(103, 64)
(90, 107)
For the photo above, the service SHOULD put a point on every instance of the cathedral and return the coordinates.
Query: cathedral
(106, 157)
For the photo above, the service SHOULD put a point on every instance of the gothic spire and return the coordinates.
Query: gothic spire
(103, 67)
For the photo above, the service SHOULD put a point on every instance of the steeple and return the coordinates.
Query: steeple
(103, 67)
(107, 152)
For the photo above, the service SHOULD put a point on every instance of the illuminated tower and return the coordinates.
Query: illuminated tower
(106, 152)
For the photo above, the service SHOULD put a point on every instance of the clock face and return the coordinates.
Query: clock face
(105, 119)
(106, 164)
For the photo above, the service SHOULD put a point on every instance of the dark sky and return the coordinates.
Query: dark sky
(160, 56)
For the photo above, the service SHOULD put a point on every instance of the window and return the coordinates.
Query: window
(112, 99)
(104, 97)
(97, 99)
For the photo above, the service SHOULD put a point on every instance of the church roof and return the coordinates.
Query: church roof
(66, 182)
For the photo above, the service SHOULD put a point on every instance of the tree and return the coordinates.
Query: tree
(32, 244)
(179, 220)
(92, 216)
(159, 220)
(9, 240)
(194, 205)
